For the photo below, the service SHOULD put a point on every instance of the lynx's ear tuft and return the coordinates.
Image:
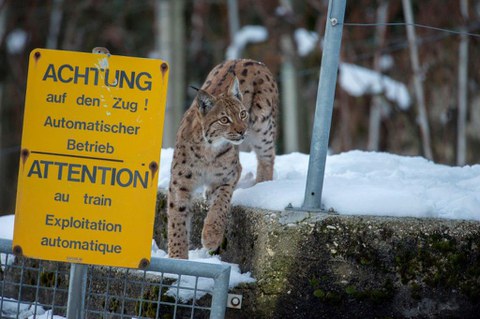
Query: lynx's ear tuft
(234, 89)
(205, 101)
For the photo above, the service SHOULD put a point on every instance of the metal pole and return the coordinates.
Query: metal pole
(77, 288)
(324, 105)
(220, 294)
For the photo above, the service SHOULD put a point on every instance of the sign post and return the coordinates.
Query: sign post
(324, 106)
(77, 290)
(90, 156)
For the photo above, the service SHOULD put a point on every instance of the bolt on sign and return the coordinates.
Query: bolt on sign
(89, 161)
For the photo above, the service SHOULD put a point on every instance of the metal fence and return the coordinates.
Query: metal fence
(31, 288)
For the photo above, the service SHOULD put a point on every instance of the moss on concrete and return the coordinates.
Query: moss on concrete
(310, 265)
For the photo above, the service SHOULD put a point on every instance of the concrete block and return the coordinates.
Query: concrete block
(310, 265)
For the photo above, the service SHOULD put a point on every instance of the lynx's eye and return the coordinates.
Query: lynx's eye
(243, 114)
(224, 120)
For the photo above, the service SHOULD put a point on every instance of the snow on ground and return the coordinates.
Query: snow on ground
(6, 226)
(6, 231)
(363, 183)
(11, 308)
(203, 284)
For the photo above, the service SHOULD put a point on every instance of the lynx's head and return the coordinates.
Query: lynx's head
(223, 117)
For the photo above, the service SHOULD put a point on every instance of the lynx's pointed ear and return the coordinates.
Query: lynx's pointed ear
(205, 101)
(234, 89)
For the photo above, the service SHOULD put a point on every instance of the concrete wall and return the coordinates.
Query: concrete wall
(332, 266)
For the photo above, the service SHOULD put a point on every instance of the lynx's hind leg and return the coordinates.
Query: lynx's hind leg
(265, 167)
(262, 138)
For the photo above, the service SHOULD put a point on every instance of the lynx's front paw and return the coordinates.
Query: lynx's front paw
(247, 181)
(212, 236)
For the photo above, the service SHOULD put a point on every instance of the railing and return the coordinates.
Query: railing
(31, 288)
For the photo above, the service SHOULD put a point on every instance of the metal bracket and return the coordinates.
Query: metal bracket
(291, 208)
(234, 301)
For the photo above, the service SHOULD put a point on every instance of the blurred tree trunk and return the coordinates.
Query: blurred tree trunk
(233, 24)
(55, 23)
(417, 80)
(288, 85)
(377, 101)
(74, 32)
(462, 88)
(289, 96)
(3, 152)
(170, 43)
(345, 110)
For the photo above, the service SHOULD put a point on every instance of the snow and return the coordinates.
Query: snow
(306, 41)
(363, 183)
(11, 308)
(357, 81)
(204, 284)
(6, 231)
(282, 10)
(6, 260)
(6, 226)
(16, 41)
(247, 34)
(386, 62)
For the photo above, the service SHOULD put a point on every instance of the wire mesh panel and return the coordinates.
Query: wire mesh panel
(32, 288)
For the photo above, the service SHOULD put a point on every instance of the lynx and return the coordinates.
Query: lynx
(236, 105)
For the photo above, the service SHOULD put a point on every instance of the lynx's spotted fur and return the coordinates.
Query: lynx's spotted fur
(236, 105)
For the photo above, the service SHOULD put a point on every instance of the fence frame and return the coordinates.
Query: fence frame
(220, 273)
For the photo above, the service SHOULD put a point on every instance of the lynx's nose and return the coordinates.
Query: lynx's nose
(240, 132)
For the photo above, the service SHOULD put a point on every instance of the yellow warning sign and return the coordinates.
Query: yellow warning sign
(89, 162)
